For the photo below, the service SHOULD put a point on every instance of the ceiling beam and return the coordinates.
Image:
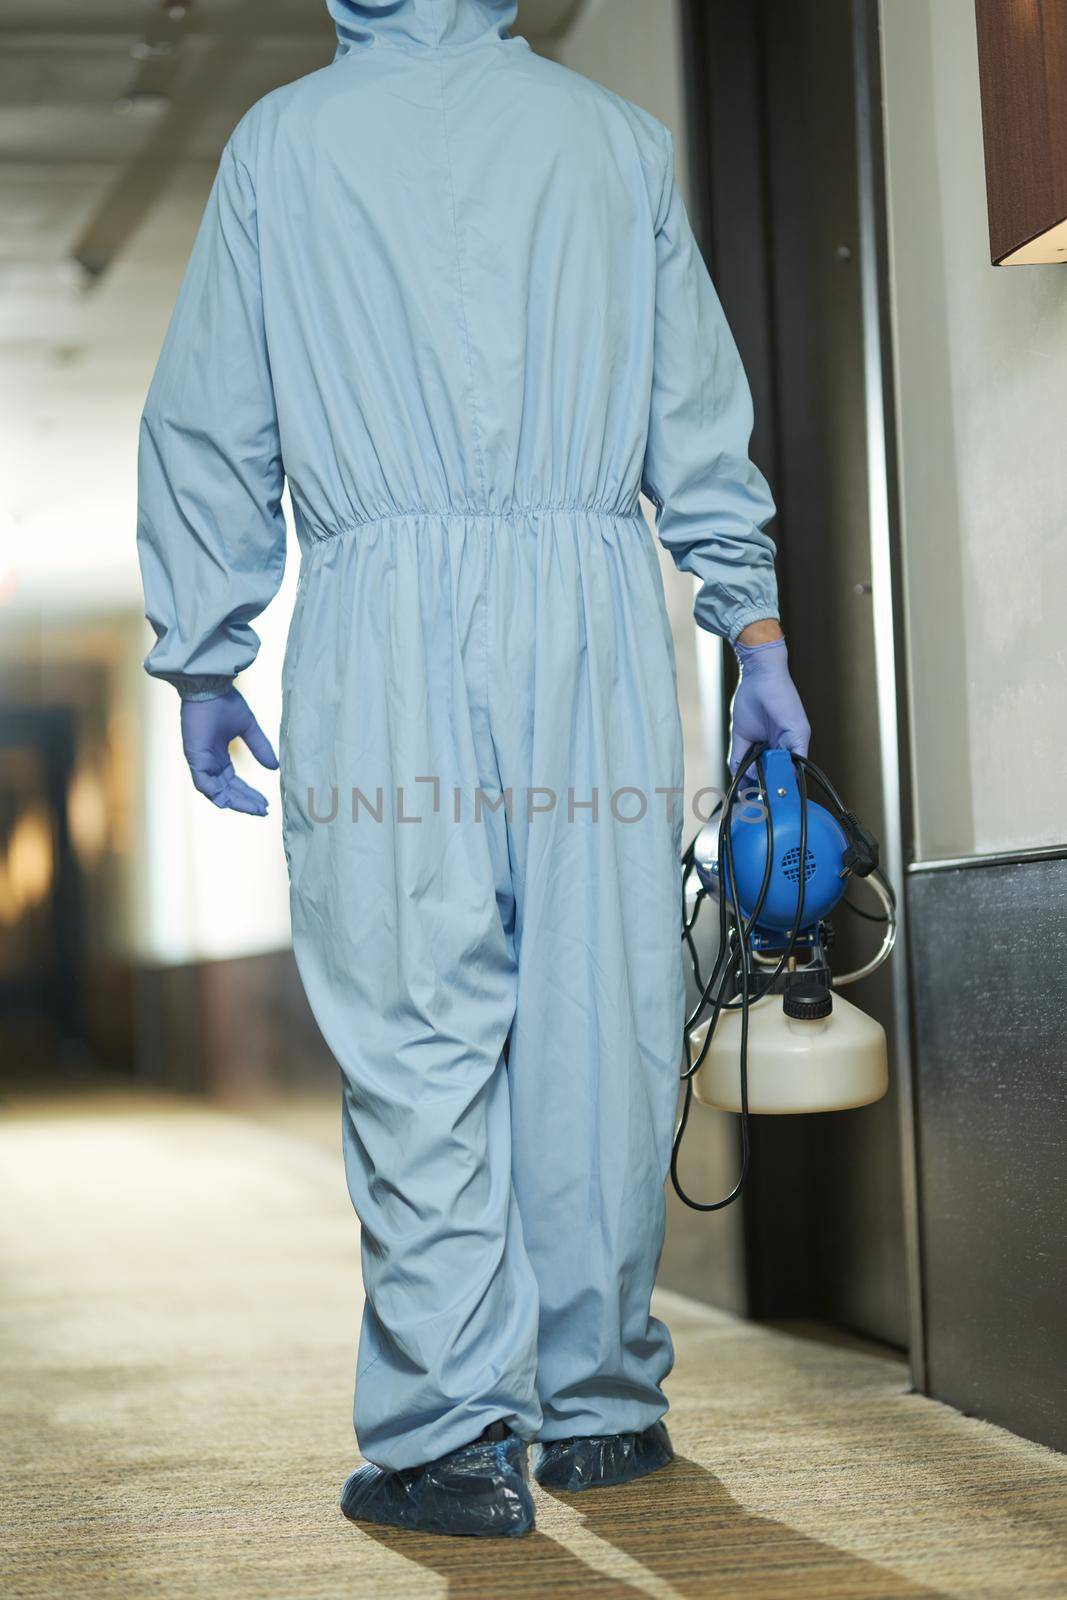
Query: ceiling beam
(270, 23)
(137, 189)
(106, 41)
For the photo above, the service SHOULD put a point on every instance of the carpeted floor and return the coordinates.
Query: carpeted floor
(177, 1340)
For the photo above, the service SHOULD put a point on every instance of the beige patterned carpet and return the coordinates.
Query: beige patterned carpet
(177, 1340)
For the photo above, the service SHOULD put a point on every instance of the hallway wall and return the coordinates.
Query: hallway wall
(982, 416)
(981, 422)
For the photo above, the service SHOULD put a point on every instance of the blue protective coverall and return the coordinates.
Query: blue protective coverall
(447, 290)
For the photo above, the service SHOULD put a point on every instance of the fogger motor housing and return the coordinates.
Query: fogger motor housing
(808, 1049)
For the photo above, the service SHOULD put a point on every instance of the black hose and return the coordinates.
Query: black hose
(722, 970)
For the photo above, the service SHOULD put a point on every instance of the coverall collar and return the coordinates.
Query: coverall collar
(429, 23)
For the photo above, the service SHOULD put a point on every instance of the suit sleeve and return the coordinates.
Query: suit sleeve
(712, 504)
(210, 529)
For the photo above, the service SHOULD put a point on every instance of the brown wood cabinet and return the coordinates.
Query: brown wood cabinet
(1022, 58)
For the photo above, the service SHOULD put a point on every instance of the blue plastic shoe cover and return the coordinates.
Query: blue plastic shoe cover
(597, 1463)
(479, 1491)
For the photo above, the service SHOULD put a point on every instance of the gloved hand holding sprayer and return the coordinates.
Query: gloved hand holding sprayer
(766, 707)
(777, 874)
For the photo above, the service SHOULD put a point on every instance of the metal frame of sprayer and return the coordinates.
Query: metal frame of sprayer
(778, 864)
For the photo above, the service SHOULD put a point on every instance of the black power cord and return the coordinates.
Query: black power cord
(732, 963)
(734, 935)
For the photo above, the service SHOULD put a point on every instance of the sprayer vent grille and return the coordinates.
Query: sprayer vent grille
(790, 865)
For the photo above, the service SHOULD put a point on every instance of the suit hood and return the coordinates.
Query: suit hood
(430, 23)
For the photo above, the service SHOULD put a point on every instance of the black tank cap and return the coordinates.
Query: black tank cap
(807, 997)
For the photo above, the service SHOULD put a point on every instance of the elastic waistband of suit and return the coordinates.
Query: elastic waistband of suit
(477, 514)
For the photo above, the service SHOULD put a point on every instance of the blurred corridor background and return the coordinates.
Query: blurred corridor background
(136, 924)
(910, 416)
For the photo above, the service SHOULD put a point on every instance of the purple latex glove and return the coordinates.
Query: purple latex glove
(208, 727)
(766, 707)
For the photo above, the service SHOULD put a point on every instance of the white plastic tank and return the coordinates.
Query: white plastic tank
(829, 1063)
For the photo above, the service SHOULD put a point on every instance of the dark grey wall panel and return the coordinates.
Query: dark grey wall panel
(853, 1270)
(773, 143)
(990, 986)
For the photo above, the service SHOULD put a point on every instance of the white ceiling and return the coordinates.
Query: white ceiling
(112, 117)
(81, 107)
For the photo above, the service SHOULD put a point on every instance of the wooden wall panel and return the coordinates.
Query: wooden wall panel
(1022, 56)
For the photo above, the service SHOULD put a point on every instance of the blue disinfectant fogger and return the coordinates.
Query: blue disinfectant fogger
(770, 1033)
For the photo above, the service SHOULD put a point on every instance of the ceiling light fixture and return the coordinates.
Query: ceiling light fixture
(153, 49)
(142, 102)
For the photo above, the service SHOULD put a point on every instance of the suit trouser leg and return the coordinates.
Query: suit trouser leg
(401, 933)
(585, 722)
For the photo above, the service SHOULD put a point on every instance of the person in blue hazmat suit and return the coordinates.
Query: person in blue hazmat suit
(446, 291)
